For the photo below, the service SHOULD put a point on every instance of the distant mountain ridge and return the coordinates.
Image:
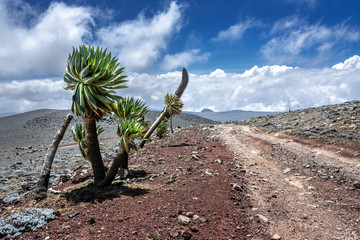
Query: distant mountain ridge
(234, 115)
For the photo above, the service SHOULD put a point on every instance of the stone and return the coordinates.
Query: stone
(195, 157)
(260, 218)
(174, 233)
(183, 220)
(286, 170)
(189, 214)
(186, 234)
(198, 219)
(218, 161)
(92, 221)
(194, 228)
(356, 184)
(275, 237)
(236, 187)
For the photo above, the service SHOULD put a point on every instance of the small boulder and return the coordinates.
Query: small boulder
(261, 218)
(286, 170)
(236, 187)
(275, 237)
(183, 220)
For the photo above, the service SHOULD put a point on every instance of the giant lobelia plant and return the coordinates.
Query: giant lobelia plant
(173, 105)
(93, 75)
(129, 109)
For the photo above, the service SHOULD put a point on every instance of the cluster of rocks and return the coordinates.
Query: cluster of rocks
(20, 175)
(338, 123)
(188, 224)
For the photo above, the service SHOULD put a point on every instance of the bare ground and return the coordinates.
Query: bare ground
(305, 190)
(233, 182)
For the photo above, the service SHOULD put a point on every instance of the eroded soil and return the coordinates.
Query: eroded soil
(233, 182)
(305, 189)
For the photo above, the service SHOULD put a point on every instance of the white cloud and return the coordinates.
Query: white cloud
(183, 59)
(139, 42)
(39, 45)
(286, 23)
(299, 39)
(20, 96)
(218, 73)
(352, 63)
(237, 31)
(266, 88)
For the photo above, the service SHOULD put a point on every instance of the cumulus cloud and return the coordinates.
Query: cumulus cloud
(301, 39)
(266, 88)
(237, 31)
(39, 45)
(20, 96)
(139, 42)
(352, 63)
(183, 59)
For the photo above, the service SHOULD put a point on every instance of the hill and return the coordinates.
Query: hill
(37, 128)
(338, 123)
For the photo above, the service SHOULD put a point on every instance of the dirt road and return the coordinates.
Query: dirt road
(300, 190)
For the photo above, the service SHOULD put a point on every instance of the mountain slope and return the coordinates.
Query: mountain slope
(338, 123)
(234, 115)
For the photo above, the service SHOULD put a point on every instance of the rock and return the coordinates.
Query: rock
(275, 237)
(73, 215)
(286, 170)
(236, 187)
(186, 234)
(218, 161)
(174, 233)
(194, 228)
(198, 219)
(183, 220)
(92, 220)
(261, 219)
(195, 157)
(189, 214)
(356, 184)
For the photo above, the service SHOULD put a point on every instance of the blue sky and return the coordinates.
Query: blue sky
(269, 55)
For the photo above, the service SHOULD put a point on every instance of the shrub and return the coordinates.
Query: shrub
(28, 219)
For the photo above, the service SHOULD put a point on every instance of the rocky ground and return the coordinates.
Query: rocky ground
(25, 138)
(335, 123)
(218, 182)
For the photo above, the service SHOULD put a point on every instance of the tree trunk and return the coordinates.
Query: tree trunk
(43, 183)
(120, 158)
(92, 144)
(153, 127)
(171, 125)
(125, 164)
(179, 91)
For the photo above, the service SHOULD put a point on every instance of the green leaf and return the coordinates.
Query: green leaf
(84, 72)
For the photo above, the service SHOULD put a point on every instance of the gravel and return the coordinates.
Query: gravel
(338, 123)
(25, 138)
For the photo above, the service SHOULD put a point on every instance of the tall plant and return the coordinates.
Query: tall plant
(173, 106)
(130, 113)
(93, 75)
(130, 108)
(78, 134)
